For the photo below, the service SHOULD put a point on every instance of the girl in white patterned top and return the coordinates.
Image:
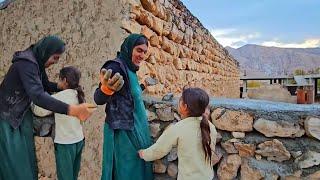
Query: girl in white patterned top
(69, 139)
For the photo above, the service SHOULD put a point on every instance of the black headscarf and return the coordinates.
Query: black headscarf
(45, 48)
(127, 46)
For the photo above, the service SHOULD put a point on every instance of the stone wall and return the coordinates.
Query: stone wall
(256, 139)
(182, 51)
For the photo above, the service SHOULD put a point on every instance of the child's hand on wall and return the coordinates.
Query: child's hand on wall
(140, 153)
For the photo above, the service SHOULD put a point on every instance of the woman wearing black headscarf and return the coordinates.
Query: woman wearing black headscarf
(23, 83)
(42, 51)
(126, 129)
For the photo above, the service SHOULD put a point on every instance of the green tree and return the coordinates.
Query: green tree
(299, 72)
(317, 70)
(312, 71)
(253, 84)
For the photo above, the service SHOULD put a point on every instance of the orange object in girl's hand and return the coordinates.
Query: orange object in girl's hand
(81, 111)
(93, 106)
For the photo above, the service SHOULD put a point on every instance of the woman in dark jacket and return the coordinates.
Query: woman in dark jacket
(126, 129)
(26, 81)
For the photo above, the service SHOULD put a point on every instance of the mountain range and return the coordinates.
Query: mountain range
(272, 61)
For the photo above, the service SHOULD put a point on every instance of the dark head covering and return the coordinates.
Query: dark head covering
(127, 46)
(45, 48)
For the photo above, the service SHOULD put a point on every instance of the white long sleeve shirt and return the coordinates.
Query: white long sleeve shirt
(68, 129)
(186, 135)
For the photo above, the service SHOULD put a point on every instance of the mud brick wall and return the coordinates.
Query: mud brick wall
(92, 32)
(182, 51)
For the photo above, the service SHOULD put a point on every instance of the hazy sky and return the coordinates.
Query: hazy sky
(281, 23)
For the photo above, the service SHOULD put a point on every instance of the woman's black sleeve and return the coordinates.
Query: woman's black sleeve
(29, 75)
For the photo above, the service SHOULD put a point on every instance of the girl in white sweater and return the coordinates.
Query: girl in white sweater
(194, 136)
(69, 139)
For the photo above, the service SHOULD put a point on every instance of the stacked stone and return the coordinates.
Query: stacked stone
(251, 143)
(182, 51)
(160, 116)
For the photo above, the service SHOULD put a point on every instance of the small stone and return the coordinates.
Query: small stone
(234, 140)
(278, 128)
(308, 159)
(245, 150)
(154, 129)
(229, 147)
(149, 5)
(154, 41)
(156, 89)
(151, 81)
(239, 135)
(168, 97)
(167, 45)
(248, 172)
(229, 166)
(165, 114)
(157, 25)
(45, 130)
(151, 115)
(131, 26)
(216, 156)
(177, 63)
(258, 157)
(159, 167)
(312, 127)
(232, 120)
(219, 137)
(296, 154)
(172, 155)
(158, 106)
(43, 126)
(172, 170)
(151, 60)
(147, 32)
(273, 150)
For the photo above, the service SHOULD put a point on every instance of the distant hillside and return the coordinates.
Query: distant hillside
(275, 61)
